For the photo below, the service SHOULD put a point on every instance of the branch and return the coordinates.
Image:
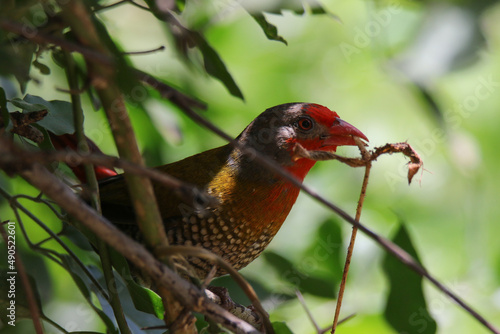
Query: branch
(103, 79)
(365, 156)
(390, 247)
(103, 250)
(188, 294)
(219, 261)
(168, 92)
(19, 159)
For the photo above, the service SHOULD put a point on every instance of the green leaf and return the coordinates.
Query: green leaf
(75, 236)
(406, 309)
(281, 328)
(26, 106)
(215, 66)
(44, 69)
(86, 287)
(126, 78)
(269, 29)
(60, 117)
(144, 299)
(299, 279)
(187, 38)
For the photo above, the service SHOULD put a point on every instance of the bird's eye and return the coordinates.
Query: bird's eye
(305, 123)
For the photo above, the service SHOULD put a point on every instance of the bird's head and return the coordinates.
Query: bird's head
(279, 129)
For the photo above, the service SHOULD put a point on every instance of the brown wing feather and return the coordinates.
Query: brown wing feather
(197, 170)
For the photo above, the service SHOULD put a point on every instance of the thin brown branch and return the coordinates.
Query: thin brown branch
(365, 155)
(136, 253)
(388, 245)
(217, 260)
(103, 250)
(308, 312)
(15, 205)
(178, 98)
(145, 52)
(341, 321)
(16, 160)
(220, 296)
(103, 79)
(18, 267)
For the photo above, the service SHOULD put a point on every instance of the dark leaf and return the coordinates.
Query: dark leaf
(269, 29)
(44, 69)
(186, 39)
(216, 67)
(60, 118)
(144, 299)
(281, 328)
(75, 236)
(26, 106)
(86, 287)
(406, 309)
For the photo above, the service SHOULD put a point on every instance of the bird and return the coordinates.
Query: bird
(251, 202)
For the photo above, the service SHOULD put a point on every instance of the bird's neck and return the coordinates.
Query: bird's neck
(300, 168)
(258, 196)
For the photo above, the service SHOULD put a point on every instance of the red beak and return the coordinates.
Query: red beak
(342, 133)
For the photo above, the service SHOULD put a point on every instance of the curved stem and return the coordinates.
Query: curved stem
(350, 249)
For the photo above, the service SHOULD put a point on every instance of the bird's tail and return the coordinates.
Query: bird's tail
(70, 142)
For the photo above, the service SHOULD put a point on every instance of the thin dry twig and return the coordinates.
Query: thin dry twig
(145, 52)
(367, 156)
(308, 312)
(15, 205)
(217, 260)
(220, 296)
(354, 232)
(136, 253)
(12, 163)
(365, 161)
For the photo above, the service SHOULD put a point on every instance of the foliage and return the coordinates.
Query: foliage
(369, 68)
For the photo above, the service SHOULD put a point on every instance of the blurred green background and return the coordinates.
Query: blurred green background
(424, 72)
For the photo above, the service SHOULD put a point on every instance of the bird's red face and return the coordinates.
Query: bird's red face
(319, 128)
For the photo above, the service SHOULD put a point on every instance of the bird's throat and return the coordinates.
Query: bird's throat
(300, 168)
